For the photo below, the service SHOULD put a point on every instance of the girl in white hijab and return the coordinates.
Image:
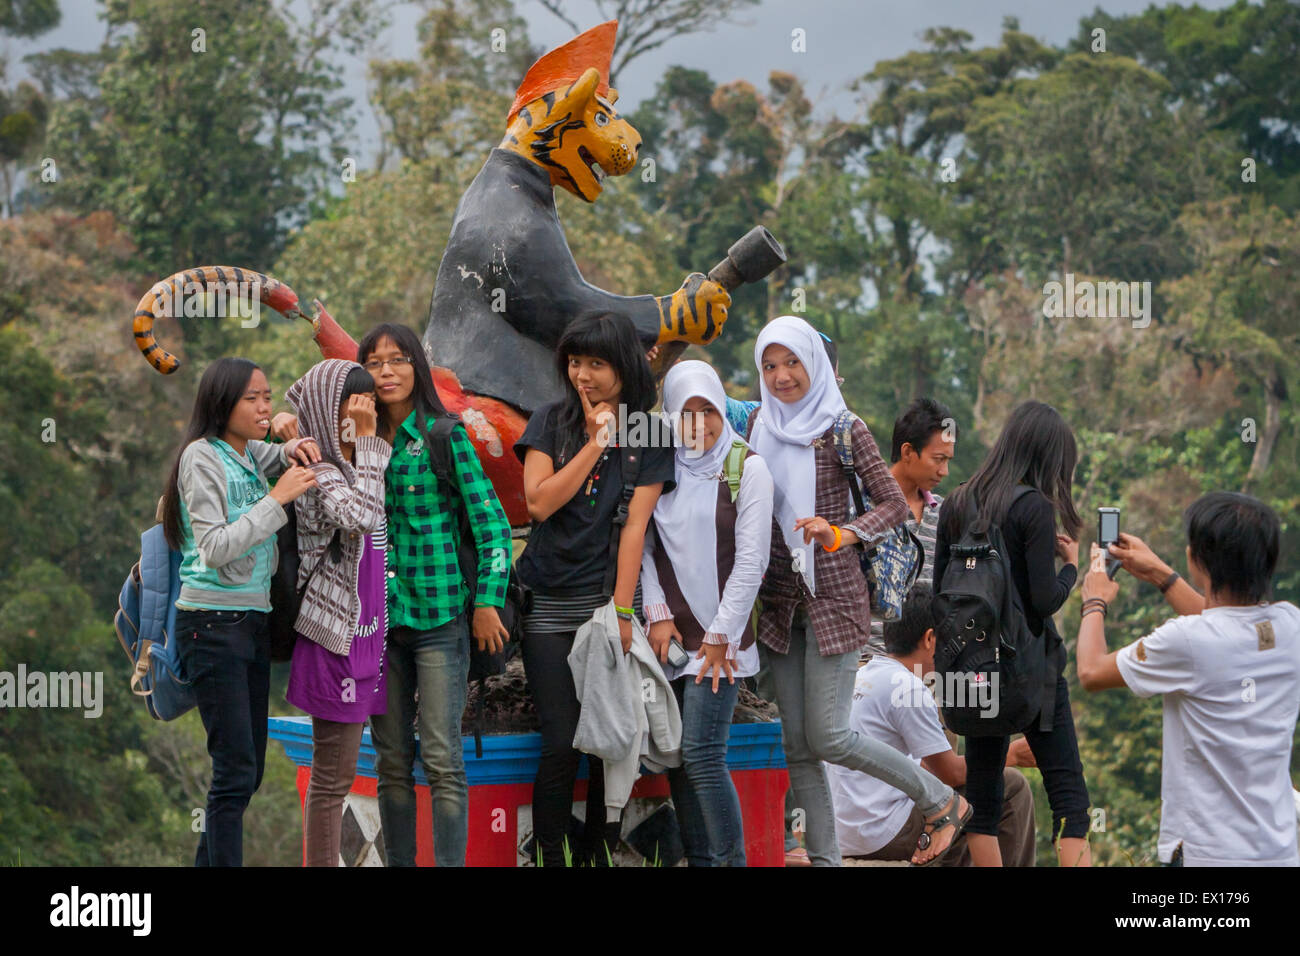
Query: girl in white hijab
(816, 611)
(700, 573)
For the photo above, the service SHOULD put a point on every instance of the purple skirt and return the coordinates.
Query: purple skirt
(347, 688)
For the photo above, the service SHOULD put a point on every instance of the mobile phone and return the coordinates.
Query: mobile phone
(677, 655)
(1107, 534)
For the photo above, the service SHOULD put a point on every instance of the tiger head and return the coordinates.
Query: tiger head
(563, 117)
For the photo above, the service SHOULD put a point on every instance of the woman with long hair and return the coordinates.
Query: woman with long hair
(218, 512)
(1036, 449)
(428, 600)
(573, 476)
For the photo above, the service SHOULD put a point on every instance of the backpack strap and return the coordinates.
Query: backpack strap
(734, 466)
(843, 438)
(631, 462)
(438, 442)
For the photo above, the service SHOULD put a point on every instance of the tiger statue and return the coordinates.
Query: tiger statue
(508, 283)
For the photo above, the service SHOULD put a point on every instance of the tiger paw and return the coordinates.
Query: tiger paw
(695, 313)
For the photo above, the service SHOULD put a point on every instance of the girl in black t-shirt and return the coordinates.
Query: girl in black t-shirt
(572, 481)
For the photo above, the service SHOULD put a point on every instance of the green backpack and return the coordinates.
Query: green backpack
(735, 466)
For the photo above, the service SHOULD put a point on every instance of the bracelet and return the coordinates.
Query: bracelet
(624, 613)
(1169, 582)
(1093, 610)
(1094, 604)
(839, 539)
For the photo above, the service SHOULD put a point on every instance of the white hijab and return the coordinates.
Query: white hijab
(685, 517)
(783, 432)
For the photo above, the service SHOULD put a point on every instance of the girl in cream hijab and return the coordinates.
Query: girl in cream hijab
(700, 572)
(816, 611)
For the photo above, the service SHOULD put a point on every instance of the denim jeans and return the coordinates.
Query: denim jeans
(814, 695)
(226, 655)
(708, 807)
(436, 664)
(550, 681)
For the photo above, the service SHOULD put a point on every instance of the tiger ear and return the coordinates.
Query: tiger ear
(580, 93)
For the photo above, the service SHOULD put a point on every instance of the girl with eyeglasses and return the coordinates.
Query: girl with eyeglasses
(428, 637)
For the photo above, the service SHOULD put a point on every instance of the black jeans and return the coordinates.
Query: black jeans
(551, 682)
(226, 656)
(1057, 755)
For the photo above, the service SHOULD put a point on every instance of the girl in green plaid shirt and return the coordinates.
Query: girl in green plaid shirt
(428, 630)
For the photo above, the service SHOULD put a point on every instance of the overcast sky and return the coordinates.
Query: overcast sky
(844, 39)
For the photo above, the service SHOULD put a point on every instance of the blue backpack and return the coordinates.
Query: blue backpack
(146, 626)
(892, 563)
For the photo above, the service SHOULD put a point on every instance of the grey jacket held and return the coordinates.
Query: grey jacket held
(628, 713)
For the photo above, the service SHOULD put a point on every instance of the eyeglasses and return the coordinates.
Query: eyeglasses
(374, 365)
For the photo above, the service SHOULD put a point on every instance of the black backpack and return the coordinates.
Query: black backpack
(286, 596)
(482, 664)
(991, 667)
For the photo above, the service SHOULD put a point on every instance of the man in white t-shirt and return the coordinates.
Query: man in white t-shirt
(892, 704)
(1229, 670)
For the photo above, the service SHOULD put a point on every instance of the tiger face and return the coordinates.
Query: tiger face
(576, 136)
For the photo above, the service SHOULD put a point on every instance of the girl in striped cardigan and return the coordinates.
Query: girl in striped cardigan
(337, 673)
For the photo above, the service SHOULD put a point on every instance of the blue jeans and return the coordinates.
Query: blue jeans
(226, 655)
(708, 807)
(814, 695)
(436, 663)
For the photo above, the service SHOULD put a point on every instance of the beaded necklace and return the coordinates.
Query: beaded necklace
(592, 489)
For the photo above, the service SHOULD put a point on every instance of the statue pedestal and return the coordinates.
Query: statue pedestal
(501, 789)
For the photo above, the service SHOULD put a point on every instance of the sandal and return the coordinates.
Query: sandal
(932, 826)
(797, 857)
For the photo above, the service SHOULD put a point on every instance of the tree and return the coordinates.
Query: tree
(22, 110)
(645, 25)
(1237, 62)
(1238, 308)
(23, 113)
(28, 18)
(450, 105)
(206, 128)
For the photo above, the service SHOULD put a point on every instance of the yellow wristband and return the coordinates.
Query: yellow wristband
(839, 539)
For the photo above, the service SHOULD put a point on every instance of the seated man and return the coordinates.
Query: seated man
(891, 703)
(1229, 670)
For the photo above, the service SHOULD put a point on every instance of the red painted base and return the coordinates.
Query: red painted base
(494, 814)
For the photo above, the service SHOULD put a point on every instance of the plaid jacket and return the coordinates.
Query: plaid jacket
(425, 589)
(841, 611)
(330, 607)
